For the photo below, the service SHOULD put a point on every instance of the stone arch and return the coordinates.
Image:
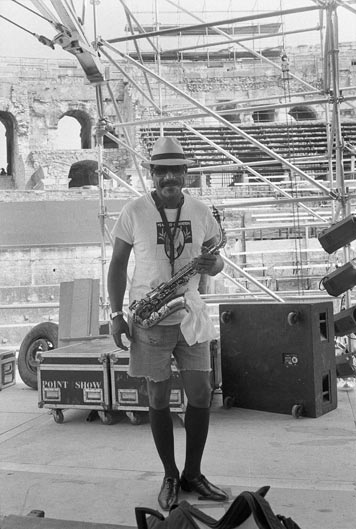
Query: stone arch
(8, 120)
(85, 126)
(84, 173)
(233, 116)
(262, 116)
(302, 113)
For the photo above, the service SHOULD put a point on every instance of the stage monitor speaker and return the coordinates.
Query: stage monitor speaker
(279, 357)
(345, 322)
(345, 367)
(341, 280)
(339, 234)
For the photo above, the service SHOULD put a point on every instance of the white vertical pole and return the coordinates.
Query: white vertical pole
(161, 126)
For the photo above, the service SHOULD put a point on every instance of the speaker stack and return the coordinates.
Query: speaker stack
(331, 239)
(279, 357)
(338, 282)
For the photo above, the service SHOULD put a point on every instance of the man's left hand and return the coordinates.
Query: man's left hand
(208, 263)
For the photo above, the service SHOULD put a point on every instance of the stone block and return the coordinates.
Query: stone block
(29, 294)
(26, 313)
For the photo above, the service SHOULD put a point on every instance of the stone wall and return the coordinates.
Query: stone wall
(36, 94)
(247, 79)
(47, 237)
(56, 164)
(29, 285)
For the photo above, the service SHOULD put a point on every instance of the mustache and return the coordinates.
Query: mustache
(171, 182)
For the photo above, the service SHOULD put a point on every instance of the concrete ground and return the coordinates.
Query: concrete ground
(91, 472)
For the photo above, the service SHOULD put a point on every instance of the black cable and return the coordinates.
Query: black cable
(44, 40)
(18, 25)
(34, 12)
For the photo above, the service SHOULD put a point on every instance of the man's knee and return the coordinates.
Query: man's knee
(159, 394)
(198, 391)
(201, 398)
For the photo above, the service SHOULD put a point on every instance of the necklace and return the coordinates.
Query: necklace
(170, 234)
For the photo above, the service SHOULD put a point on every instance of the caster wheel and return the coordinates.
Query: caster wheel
(228, 402)
(58, 416)
(106, 417)
(297, 411)
(135, 417)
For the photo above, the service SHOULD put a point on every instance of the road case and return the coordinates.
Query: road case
(75, 376)
(7, 369)
(279, 357)
(129, 394)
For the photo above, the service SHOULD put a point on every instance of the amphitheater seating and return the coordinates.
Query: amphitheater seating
(285, 269)
(301, 269)
(301, 139)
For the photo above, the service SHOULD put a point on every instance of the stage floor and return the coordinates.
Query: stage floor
(91, 472)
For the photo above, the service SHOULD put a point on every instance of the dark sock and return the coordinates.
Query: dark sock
(196, 424)
(162, 431)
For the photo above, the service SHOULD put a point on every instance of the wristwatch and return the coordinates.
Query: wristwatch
(115, 314)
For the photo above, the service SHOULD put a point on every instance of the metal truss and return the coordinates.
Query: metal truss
(72, 38)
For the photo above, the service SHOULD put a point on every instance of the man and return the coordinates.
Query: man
(166, 230)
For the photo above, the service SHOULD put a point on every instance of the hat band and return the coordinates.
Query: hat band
(168, 156)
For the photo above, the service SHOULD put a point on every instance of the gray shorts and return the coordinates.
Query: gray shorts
(151, 351)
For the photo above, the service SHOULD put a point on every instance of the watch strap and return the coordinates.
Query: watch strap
(115, 314)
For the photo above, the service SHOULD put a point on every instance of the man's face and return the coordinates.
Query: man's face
(168, 180)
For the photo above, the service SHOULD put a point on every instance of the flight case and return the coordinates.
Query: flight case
(93, 375)
(130, 393)
(75, 376)
(7, 369)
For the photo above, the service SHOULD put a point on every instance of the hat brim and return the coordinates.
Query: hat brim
(169, 161)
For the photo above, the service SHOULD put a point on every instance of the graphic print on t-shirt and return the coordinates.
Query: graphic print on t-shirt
(182, 236)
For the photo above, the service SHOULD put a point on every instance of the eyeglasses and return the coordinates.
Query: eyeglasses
(162, 170)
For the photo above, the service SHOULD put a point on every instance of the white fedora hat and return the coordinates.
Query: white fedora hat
(167, 151)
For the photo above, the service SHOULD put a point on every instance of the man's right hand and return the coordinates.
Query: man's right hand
(119, 326)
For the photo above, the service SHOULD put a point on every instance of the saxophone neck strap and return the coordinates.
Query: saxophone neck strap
(170, 234)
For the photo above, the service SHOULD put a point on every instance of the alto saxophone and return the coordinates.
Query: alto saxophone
(163, 300)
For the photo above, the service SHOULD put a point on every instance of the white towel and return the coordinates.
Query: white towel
(196, 325)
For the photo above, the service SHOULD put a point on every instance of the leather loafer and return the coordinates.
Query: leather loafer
(205, 489)
(168, 495)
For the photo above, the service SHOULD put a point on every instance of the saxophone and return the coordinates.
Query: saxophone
(163, 300)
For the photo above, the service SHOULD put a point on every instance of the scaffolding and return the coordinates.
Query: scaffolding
(232, 32)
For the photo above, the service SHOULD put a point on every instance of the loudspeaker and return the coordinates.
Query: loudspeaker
(345, 322)
(339, 234)
(345, 367)
(342, 279)
(279, 357)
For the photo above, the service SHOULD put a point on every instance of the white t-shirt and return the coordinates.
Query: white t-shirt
(140, 224)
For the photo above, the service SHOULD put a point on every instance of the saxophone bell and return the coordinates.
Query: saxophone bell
(146, 321)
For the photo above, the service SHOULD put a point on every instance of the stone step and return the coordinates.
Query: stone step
(11, 335)
(29, 294)
(28, 313)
